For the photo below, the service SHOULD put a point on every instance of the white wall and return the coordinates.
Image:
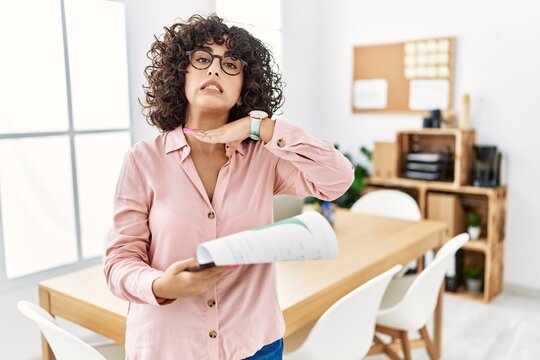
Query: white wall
(498, 52)
(300, 21)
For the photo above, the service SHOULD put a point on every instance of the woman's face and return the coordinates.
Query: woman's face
(199, 92)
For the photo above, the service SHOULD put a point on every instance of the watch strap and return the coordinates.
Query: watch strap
(255, 128)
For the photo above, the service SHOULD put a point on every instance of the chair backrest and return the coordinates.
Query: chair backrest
(345, 331)
(286, 206)
(64, 345)
(418, 304)
(389, 203)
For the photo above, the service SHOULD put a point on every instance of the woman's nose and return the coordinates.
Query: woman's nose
(214, 66)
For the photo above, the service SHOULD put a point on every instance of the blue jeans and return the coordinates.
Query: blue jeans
(273, 351)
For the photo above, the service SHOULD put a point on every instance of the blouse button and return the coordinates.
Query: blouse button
(281, 143)
(211, 302)
(211, 215)
(212, 334)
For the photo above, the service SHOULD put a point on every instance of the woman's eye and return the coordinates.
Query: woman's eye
(202, 60)
(231, 66)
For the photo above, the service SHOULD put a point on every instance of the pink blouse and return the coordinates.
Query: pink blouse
(162, 212)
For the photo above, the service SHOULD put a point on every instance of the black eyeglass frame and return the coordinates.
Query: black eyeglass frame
(213, 56)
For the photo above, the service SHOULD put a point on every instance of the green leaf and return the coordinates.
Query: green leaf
(473, 218)
(474, 271)
(360, 175)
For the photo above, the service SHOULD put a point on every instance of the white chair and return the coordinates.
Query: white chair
(394, 204)
(345, 331)
(389, 203)
(410, 301)
(64, 345)
(286, 206)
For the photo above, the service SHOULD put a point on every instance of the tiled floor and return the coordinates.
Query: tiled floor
(506, 329)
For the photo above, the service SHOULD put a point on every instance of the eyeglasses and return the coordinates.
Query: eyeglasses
(202, 59)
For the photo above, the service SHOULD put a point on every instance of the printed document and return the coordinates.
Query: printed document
(307, 236)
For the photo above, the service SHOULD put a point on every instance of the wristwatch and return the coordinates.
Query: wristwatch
(255, 126)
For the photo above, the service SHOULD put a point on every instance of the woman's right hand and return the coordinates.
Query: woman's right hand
(178, 283)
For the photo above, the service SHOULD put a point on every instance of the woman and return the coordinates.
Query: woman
(204, 177)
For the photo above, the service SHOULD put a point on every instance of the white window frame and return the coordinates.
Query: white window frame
(6, 284)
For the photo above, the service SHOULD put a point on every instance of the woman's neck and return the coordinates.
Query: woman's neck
(204, 120)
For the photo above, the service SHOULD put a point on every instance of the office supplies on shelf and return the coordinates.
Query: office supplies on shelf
(429, 166)
(434, 120)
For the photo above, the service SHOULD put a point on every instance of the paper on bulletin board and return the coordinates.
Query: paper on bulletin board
(370, 94)
(429, 94)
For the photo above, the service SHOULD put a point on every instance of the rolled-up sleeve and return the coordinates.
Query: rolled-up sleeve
(307, 166)
(127, 270)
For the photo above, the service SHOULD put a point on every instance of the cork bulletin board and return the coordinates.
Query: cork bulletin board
(410, 77)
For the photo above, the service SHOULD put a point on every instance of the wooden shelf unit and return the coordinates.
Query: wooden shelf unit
(467, 295)
(489, 202)
(457, 142)
(479, 245)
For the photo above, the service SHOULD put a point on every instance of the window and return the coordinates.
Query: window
(64, 129)
(262, 20)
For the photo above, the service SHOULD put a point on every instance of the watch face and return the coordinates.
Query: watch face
(258, 114)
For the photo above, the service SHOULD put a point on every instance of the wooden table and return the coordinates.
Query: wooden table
(369, 245)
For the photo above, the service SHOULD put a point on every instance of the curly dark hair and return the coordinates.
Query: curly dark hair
(166, 101)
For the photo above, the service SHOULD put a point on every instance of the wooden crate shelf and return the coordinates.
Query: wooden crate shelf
(457, 142)
(489, 202)
(462, 293)
(432, 185)
(479, 245)
(456, 196)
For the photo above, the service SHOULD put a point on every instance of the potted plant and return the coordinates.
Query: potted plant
(473, 222)
(474, 277)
